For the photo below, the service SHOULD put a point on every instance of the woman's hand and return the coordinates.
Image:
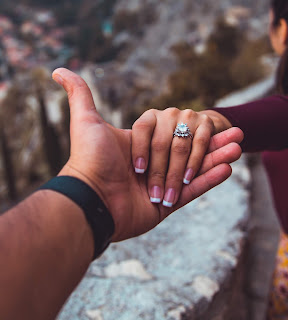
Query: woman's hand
(171, 161)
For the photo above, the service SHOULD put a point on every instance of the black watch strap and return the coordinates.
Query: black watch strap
(96, 213)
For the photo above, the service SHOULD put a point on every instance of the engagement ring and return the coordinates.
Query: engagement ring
(182, 131)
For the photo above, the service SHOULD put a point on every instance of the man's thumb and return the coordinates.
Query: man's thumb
(80, 98)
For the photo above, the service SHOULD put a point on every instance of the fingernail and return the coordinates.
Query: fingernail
(188, 176)
(169, 198)
(155, 195)
(140, 165)
(58, 79)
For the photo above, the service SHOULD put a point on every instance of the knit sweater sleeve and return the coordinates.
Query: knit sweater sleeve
(264, 123)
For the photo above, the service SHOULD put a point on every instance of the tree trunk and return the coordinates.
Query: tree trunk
(8, 167)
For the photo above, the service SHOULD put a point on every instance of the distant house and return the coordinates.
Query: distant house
(36, 41)
(44, 17)
(31, 28)
(9, 42)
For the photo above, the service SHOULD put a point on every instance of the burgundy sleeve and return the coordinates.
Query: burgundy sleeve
(264, 123)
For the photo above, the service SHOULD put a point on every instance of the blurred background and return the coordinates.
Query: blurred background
(134, 54)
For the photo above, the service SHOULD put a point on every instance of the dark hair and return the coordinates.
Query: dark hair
(280, 11)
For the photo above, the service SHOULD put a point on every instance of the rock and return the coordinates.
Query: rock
(129, 268)
(94, 315)
(205, 287)
(228, 257)
(188, 259)
(176, 314)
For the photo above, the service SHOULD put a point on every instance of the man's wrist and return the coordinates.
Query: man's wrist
(96, 213)
(70, 170)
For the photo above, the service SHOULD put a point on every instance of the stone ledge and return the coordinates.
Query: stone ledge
(175, 271)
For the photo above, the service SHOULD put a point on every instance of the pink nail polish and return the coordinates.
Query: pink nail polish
(156, 195)
(169, 198)
(140, 165)
(188, 176)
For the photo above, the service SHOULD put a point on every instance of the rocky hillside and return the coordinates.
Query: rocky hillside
(143, 33)
(147, 29)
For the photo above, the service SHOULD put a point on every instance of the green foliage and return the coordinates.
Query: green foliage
(40, 2)
(13, 101)
(67, 14)
(77, 12)
(82, 20)
(87, 35)
(93, 45)
(225, 42)
(14, 123)
(50, 139)
(133, 22)
(246, 67)
(28, 158)
(231, 61)
(48, 3)
(7, 166)
(126, 21)
(105, 8)
(65, 128)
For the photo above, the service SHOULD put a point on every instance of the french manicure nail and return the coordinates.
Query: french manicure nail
(188, 176)
(140, 165)
(169, 198)
(155, 195)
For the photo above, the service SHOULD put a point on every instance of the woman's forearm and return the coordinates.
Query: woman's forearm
(264, 123)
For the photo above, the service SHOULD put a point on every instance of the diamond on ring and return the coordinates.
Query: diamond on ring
(182, 131)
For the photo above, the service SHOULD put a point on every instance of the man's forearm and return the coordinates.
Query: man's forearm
(46, 243)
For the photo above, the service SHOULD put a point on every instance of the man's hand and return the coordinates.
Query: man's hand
(101, 156)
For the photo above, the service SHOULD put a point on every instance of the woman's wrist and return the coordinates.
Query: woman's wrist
(221, 123)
